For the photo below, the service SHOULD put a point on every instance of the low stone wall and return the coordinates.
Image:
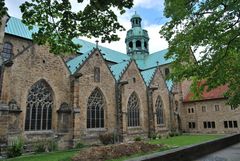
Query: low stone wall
(193, 152)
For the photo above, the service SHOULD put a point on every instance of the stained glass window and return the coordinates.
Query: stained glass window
(133, 110)
(159, 111)
(95, 110)
(39, 107)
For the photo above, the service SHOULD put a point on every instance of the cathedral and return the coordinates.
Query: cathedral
(98, 91)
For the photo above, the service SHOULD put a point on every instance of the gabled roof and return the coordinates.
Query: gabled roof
(17, 28)
(148, 75)
(118, 69)
(217, 93)
(75, 63)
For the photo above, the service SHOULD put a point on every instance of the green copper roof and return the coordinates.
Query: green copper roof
(148, 75)
(136, 15)
(118, 69)
(169, 84)
(17, 28)
(75, 63)
(154, 60)
(149, 64)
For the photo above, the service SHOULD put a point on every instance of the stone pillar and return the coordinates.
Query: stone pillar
(151, 122)
(2, 32)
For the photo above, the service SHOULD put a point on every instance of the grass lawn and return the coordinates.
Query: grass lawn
(184, 140)
(52, 156)
(171, 142)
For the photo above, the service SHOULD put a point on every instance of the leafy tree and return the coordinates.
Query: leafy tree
(58, 25)
(214, 27)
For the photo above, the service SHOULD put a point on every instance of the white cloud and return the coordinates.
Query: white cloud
(157, 4)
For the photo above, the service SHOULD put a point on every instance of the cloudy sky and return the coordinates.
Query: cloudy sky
(151, 12)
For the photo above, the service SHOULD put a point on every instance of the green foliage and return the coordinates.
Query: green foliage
(59, 25)
(153, 136)
(45, 146)
(138, 138)
(212, 26)
(80, 145)
(171, 134)
(15, 149)
(3, 10)
(107, 138)
(40, 147)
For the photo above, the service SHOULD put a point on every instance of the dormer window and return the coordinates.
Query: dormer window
(7, 51)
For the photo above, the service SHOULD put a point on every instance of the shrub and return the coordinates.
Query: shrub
(171, 134)
(159, 136)
(52, 145)
(153, 136)
(107, 138)
(138, 138)
(15, 149)
(79, 145)
(45, 146)
(40, 146)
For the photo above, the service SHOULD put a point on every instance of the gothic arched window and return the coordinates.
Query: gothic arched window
(39, 107)
(133, 110)
(7, 51)
(95, 110)
(159, 111)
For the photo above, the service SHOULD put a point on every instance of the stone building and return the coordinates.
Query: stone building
(97, 91)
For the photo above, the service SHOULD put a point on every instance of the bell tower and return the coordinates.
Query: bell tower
(137, 39)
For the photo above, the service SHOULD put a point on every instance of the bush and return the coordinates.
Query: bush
(15, 149)
(107, 138)
(138, 138)
(79, 145)
(153, 136)
(52, 145)
(45, 146)
(171, 134)
(40, 147)
(159, 136)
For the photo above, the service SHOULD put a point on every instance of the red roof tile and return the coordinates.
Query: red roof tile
(216, 93)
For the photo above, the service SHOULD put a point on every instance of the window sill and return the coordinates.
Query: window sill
(39, 132)
(96, 129)
(134, 127)
(161, 125)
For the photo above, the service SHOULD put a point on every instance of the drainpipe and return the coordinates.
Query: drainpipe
(119, 112)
